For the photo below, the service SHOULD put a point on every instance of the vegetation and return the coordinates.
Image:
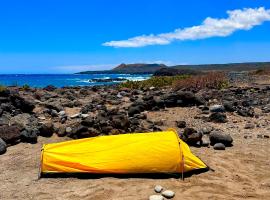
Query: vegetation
(25, 87)
(262, 71)
(154, 81)
(2, 88)
(214, 80)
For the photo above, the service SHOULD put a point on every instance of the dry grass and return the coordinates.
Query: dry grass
(214, 80)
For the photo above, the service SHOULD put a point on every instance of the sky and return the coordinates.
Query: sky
(67, 36)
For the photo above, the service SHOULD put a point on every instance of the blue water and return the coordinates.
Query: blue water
(61, 80)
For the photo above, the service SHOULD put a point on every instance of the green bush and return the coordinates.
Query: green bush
(155, 81)
(25, 87)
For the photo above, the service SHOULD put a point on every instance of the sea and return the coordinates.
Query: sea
(62, 80)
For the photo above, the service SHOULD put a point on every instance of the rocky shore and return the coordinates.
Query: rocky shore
(91, 111)
(235, 119)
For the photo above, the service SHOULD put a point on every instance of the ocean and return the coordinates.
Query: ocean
(61, 80)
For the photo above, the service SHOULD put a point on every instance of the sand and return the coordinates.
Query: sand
(241, 171)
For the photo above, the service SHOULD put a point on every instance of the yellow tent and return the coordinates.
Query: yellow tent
(158, 152)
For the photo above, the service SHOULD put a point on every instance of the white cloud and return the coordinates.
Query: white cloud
(244, 19)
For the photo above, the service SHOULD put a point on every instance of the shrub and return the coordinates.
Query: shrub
(2, 88)
(214, 80)
(25, 87)
(155, 81)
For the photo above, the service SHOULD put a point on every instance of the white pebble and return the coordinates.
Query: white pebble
(168, 194)
(156, 197)
(158, 188)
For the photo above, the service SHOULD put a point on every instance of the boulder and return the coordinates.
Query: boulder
(10, 134)
(29, 136)
(21, 103)
(46, 129)
(134, 110)
(120, 122)
(220, 137)
(219, 146)
(88, 121)
(218, 117)
(3, 146)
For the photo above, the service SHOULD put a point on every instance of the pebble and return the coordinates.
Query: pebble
(62, 113)
(84, 116)
(75, 115)
(158, 188)
(219, 146)
(156, 197)
(168, 194)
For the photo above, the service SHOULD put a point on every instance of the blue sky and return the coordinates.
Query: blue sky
(65, 36)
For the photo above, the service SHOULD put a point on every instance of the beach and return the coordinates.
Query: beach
(241, 171)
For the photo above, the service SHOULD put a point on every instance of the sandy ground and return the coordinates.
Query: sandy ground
(241, 172)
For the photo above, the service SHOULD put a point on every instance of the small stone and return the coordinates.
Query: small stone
(219, 146)
(68, 130)
(168, 194)
(181, 124)
(84, 116)
(75, 116)
(217, 108)
(158, 188)
(156, 197)
(42, 118)
(62, 113)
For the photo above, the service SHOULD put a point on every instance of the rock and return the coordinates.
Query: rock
(68, 130)
(219, 146)
(168, 194)
(54, 106)
(249, 126)
(75, 116)
(217, 108)
(29, 136)
(191, 136)
(206, 130)
(22, 104)
(46, 129)
(3, 146)
(61, 131)
(218, 117)
(50, 88)
(158, 188)
(88, 121)
(229, 106)
(62, 113)
(220, 137)
(156, 197)
(181, 124)
(24, 120)
(10, 134)
(120, 122)
(84, 116)
(134, 110)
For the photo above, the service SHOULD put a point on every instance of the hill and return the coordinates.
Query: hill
(141, 68)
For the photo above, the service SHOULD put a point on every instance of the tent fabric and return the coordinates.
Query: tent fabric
(157, 152)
